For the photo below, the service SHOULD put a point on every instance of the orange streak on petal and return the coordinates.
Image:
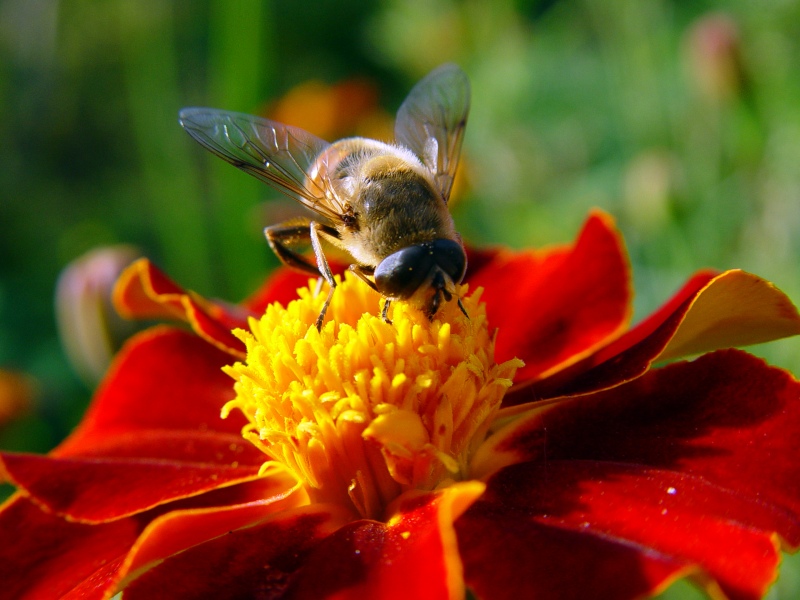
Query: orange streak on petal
(650, 325)
(416, 545)
(144, 292)
(455, 500)
(211, 330)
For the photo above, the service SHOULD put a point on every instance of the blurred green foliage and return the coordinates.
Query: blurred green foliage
(682, 119)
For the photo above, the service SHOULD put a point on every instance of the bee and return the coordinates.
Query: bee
(384, 204)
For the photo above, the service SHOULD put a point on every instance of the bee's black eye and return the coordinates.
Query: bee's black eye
(401, 274)
(450, 257)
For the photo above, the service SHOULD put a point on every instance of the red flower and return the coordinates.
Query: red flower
(598, 476)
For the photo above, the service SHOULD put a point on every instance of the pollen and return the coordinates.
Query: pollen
(364, 410)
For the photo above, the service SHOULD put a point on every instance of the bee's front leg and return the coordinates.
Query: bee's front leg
(315, 229)
(283, 236)
(364, 273)
(300, 232)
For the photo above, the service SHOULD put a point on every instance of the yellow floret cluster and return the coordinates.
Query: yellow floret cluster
(364, 410)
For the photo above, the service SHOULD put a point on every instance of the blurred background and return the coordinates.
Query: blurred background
(681, 119)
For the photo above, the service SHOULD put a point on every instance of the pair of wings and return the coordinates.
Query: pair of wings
(430, 123)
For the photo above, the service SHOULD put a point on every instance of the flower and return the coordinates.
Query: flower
(399, 460)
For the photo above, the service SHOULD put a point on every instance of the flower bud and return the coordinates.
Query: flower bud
(16, 395)
(713, 55)
(90, 329)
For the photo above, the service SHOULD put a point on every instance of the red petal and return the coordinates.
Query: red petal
(99, 490)
(280, 287)
(164, 379)
(181, 529)
(299, 555)
(681, 517)
(726, 418)
(52, 557)
(508, 555)
(145, 292)
(49, 557)
(210, 447)
(736, 309)
(414, 555)
(711, 311)
(259, 561)
(624, 359)
(554, 308)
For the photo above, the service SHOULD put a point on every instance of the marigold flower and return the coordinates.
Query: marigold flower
(399, 460)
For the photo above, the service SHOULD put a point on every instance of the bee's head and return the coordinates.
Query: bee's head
(428, 271)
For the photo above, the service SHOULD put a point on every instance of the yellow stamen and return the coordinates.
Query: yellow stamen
(364, 410)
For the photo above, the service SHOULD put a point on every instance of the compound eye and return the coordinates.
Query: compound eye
(451, 258)
(401, 274)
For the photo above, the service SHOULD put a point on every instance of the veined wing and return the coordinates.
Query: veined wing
(279, 155)
(432, 119)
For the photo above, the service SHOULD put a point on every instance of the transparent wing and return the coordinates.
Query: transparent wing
(431, 122)
(277, 154)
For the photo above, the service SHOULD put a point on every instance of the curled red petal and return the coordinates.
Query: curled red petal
(144, 292)
(99, 490)
(735, 309)
(44, 556)
(726, 418)
(625, 359)
(711, 311)
(163, 379)
(553, 308)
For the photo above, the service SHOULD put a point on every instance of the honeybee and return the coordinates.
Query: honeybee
(384, 204)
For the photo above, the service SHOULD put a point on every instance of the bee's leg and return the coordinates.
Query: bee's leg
(436, 300)
(385, 311)
(461, 306)
(364, 274)
(302, 231)
(323, 267)
(281, 237)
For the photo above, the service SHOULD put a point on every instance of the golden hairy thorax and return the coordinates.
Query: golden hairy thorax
(389, 195)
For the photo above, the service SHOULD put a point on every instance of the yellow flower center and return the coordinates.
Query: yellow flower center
(364, 410)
